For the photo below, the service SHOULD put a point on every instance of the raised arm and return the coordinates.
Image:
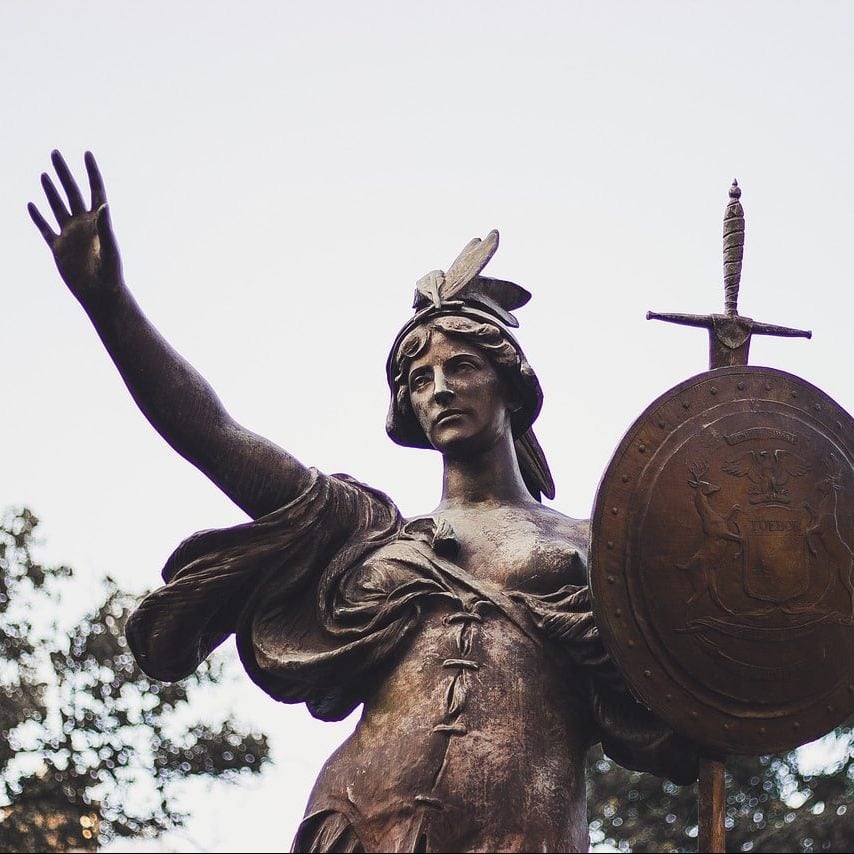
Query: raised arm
(255, 473)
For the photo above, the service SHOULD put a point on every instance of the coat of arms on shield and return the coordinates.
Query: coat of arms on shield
(784, 536)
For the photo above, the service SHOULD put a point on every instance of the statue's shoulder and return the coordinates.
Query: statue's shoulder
(361, 491)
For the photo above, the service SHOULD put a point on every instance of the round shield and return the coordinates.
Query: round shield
(722, 560)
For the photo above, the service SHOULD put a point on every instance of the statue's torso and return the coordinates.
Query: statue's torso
(474, 737)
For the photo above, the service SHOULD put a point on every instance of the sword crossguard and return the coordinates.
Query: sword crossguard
(730, 333)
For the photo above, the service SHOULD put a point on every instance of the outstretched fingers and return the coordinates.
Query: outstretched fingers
(61, 210)
(75, 198)
(96, 182)
(54, 200)
(41, 224)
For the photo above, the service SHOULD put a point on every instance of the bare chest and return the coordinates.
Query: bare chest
(527, 551)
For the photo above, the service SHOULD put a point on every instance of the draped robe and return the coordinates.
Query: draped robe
(479, 702)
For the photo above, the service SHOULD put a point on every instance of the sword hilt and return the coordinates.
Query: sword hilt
(733, 248)
(730, 333)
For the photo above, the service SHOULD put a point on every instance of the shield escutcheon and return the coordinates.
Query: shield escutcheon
(776, 554)
(722, 560)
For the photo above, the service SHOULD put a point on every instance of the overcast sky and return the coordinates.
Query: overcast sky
(280, 174)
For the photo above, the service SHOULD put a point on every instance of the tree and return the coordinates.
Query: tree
(772, 804)
(90, 747)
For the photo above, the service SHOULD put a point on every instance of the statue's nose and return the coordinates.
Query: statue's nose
(442, 392)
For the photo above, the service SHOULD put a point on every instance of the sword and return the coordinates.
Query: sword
(730, 333)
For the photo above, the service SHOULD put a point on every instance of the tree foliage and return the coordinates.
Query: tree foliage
(90, 747)
(772, 804)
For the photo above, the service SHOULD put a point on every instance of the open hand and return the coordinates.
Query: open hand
(85, 248)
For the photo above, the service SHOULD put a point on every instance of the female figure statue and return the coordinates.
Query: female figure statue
(466, 633)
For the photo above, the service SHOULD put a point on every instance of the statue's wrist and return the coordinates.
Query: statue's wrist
(104, 300)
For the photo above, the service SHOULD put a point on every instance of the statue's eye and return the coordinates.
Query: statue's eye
(463, 365)
(419, 381)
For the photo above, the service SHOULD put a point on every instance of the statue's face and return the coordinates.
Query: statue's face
(460, 401)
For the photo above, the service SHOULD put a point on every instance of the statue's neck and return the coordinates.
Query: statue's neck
(491, 477)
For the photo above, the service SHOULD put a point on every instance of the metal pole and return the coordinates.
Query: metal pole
(711, 806)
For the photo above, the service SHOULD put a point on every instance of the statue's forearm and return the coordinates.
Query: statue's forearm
(172, 395)
(184, 409)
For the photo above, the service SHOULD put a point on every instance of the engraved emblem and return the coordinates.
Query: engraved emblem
(766, 553)
(733, 567)
(776, 566)
(768, 470)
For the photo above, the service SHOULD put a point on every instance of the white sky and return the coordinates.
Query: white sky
(279, 176)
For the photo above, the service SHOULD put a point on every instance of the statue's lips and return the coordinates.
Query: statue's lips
(447, 414)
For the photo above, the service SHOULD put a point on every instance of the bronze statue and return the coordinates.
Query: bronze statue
(466, 632)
